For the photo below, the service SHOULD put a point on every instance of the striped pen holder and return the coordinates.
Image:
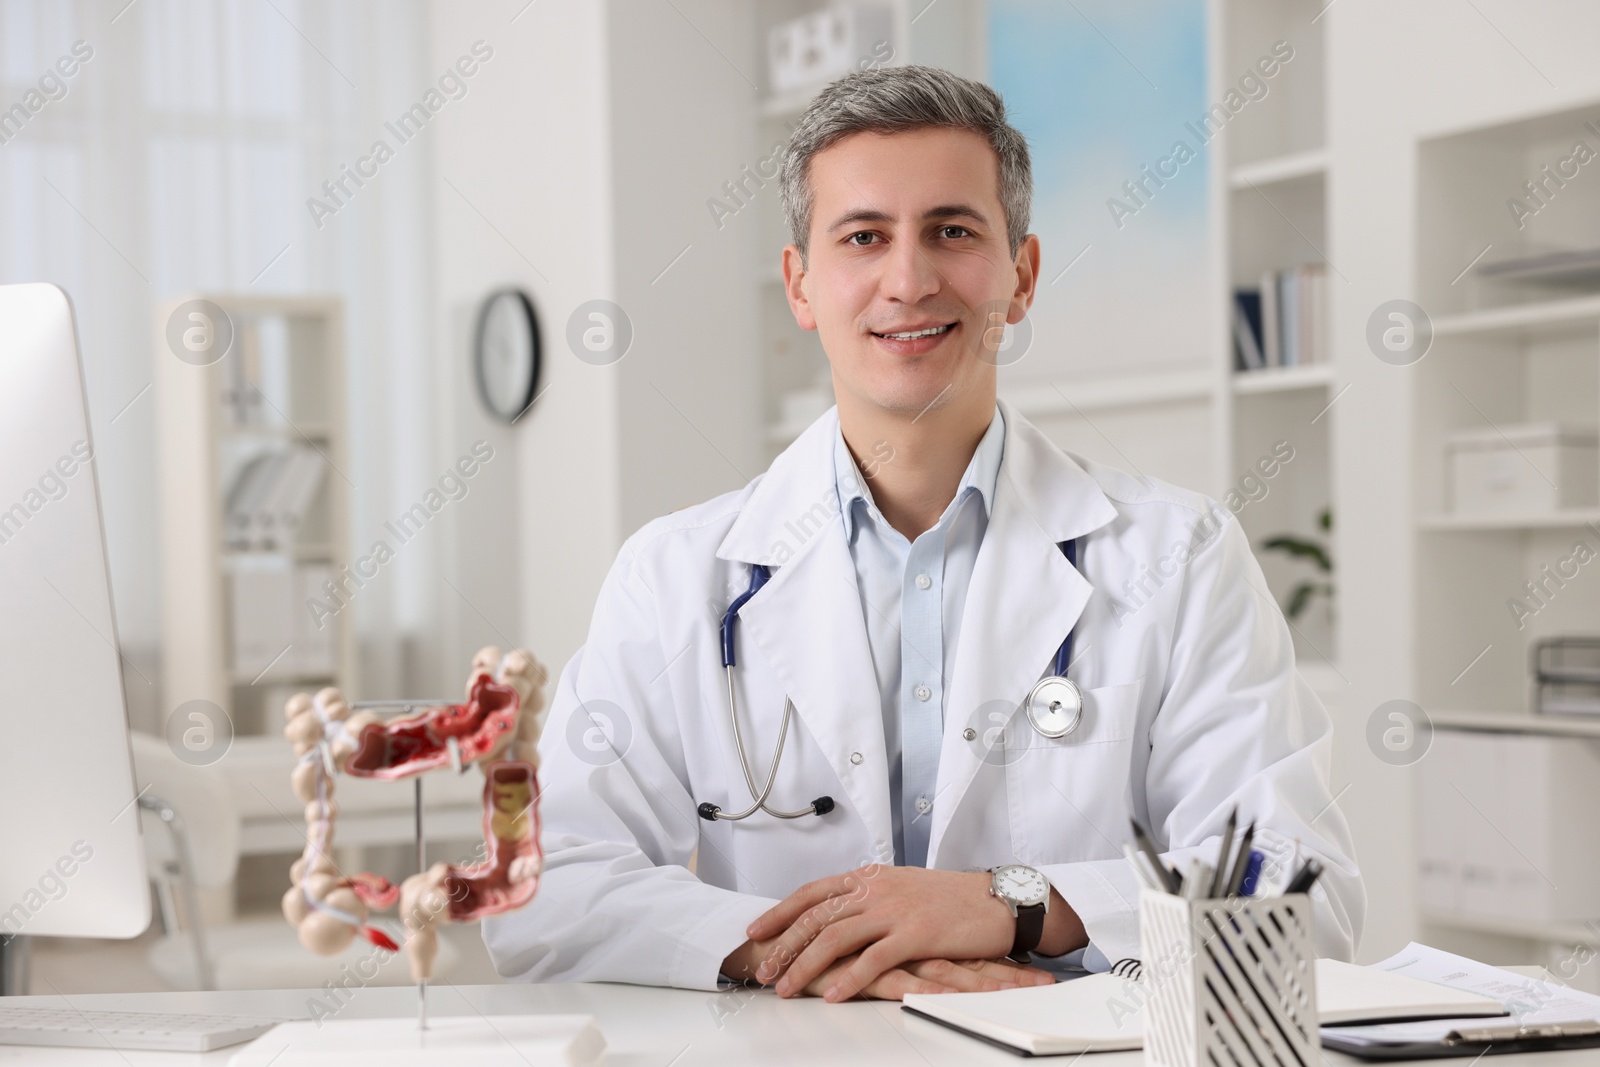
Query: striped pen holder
(1228, 981)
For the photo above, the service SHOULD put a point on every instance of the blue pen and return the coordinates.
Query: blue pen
(1252, 874)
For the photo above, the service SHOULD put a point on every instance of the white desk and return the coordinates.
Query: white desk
(650, 1027)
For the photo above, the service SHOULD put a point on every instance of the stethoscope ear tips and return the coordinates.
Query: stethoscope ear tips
(822, 805)
(708, 811)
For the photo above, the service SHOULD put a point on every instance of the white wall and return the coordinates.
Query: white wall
(581, 164)
(523, 175)
(682, 125)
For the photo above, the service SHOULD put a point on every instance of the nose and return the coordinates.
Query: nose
(909, 274)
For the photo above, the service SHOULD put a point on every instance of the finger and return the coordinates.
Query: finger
(895, 983)
(783, 914)
(960, 977)
(792, 942)
(879, 954)
(838, 940)
(1008, 971)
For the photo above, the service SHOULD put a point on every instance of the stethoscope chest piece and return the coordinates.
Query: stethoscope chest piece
(1055, 706)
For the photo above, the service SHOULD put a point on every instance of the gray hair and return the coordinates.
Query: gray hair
(893, 100)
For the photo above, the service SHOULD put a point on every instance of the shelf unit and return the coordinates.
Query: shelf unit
(1507, 722)
(1272, 194)
(1284, 379)
(796, 385)
(1309, 165)
(1575, 519)
(279, 385)
(1103, 394)
(1503, 352)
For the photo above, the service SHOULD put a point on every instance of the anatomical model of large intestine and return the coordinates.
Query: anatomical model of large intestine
(497, 728)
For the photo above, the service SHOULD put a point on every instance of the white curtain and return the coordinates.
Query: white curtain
(178, 156)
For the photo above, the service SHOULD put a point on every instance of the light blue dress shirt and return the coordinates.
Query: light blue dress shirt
(912, 596)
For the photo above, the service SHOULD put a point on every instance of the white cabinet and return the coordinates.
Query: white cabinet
(1504, 830)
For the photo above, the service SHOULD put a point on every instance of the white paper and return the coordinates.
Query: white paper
(1528, 1000)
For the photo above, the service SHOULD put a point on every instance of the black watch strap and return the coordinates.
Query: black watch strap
(1030, 931)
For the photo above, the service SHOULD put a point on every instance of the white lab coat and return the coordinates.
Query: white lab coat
(1192, 706)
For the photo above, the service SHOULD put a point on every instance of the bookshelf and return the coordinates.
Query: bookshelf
(1271, 193)
(254, 487)
(1506, 350)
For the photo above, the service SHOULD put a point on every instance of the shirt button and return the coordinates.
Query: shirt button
(922, 692)
(855, 757)
(924, 805)
(923, 581)
(969, 734)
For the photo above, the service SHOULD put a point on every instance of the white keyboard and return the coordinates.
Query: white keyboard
(158, 1030)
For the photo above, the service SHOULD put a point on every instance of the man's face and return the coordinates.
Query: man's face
(907, 234)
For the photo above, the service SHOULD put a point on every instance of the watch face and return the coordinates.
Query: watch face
(1020, 884)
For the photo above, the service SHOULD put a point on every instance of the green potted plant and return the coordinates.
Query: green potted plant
(1304, 595)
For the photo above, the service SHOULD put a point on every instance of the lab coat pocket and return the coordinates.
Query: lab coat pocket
(1070, 797)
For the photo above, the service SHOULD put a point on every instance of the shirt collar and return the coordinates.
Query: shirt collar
(981, 476)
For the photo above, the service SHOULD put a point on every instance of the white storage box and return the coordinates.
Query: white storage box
(829, 44)
(1531, 467)
(1504, 826)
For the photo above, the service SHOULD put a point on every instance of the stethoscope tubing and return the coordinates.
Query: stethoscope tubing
(759, 574)
(1064, 653)
(744, 763)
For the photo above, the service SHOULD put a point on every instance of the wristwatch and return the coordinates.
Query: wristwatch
(1027, 893)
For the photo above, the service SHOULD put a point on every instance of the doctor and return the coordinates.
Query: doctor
(916, 539)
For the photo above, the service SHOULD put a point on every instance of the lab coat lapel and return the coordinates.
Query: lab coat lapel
(1023, 599)
(807, 623)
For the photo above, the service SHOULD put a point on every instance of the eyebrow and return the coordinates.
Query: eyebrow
(943, 211)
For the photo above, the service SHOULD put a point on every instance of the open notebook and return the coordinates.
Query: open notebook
(1101, 1012)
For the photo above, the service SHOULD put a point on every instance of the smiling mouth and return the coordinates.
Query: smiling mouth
(932, 331)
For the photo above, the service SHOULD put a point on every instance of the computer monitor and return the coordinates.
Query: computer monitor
(71, 857)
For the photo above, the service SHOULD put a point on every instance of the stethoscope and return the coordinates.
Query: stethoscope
(1054, 708)
(1055, 705)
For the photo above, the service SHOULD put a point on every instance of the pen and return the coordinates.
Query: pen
(1169, 878)
(1219, 879)
(1236, 875)
(1198, 884)
(1303, 878)
(1141, 870)
(1252, 874)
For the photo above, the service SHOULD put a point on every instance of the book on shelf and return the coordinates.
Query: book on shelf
(1284, 323)
(250, 488)
(283, 512)
(256, 391)
(1247, 330)
(239, 400)
(271, 496)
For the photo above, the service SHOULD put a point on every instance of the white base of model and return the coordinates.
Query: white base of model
(461, 1041)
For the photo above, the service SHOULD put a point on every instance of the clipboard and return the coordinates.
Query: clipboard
(1468, 1040)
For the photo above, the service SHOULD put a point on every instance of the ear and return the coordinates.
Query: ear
(1027, 265)
(794, 277)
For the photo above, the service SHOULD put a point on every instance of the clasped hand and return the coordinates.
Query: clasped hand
(882, 932)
